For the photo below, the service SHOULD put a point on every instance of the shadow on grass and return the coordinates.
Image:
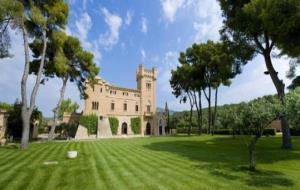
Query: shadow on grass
(226, 158)
(10, 146)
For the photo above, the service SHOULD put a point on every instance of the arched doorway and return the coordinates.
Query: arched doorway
(148, 129)
(124, 128)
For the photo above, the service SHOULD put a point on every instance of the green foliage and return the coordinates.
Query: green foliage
(67, 106)
(114, 124)
(14, 120)
(295, 131)
(90, 122)
(293, 108)
(66, 130)
(66, 59)
(136, 125)
(5, 106)
(295, 83)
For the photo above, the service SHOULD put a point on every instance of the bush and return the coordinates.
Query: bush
(269, 132)
(114, 124)
(65, 129)
(295, 131)
(136, 125)
(90, 122)
(194, 130)
(222, 131)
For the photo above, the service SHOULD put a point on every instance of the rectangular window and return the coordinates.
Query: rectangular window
(148, 108)
(136, 108)
(95, 105)
(100, 90)
(148, 86)
(112, 106)
(125, 107)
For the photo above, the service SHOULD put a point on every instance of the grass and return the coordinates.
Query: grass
(151, 163)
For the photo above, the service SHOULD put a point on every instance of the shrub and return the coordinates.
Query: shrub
(295, 131)
(269, 132)
(136, 125)
(114, 124)
(90, 122)
(194, 130)
(222, 131)
(66, 129)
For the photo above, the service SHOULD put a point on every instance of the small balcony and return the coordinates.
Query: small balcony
(148, 113)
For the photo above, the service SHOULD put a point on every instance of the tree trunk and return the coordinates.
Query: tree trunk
(198, 108)
(209, 110)
(215, 112)
(251, 147)
(57, 109)
(25, 130)
(286, 136)
(191, 114)
(27, 112)
(200, 111)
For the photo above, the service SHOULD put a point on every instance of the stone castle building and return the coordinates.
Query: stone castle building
(107, 100)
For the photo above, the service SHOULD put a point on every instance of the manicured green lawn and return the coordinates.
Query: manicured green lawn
(151, 163)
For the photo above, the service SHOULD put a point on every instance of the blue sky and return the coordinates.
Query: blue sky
(123, 34)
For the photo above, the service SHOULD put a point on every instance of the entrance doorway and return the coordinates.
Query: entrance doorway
(124, 128)
(148, 129)
(160, 130)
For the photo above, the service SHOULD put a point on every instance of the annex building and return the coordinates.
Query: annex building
(107, 100)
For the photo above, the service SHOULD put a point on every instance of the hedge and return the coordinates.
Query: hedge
(194, 130)
(90, 122)
(114, 124)
(136, 125)
(295, 131)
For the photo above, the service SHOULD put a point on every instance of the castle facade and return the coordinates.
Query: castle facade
(107, 100)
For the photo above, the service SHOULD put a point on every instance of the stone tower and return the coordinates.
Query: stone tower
(146, 83)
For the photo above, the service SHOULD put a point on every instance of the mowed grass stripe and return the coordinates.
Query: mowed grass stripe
(34, 168)
(120, 167)
(102, 166)
(53, 170)
(134, 165)
(18, 157)
(97, 179)
(19, 169)
(142, 167)
(40, 173)
(114, 180)
(179, 169)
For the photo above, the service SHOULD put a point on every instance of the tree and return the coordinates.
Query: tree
(67, 106)
(293, 107)
(14, 120)
(211, 65)
(66, 60)
(254, 27)
(181, 84)
(252, 119)
(295, 83)
(9, 10)
(36, 20)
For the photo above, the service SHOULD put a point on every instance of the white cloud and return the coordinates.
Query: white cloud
(169, 62)
(170, 8)
(129, 16)
(83, 26)
(143, 54)
(144, 25)
(208, 20)
(111, 37)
